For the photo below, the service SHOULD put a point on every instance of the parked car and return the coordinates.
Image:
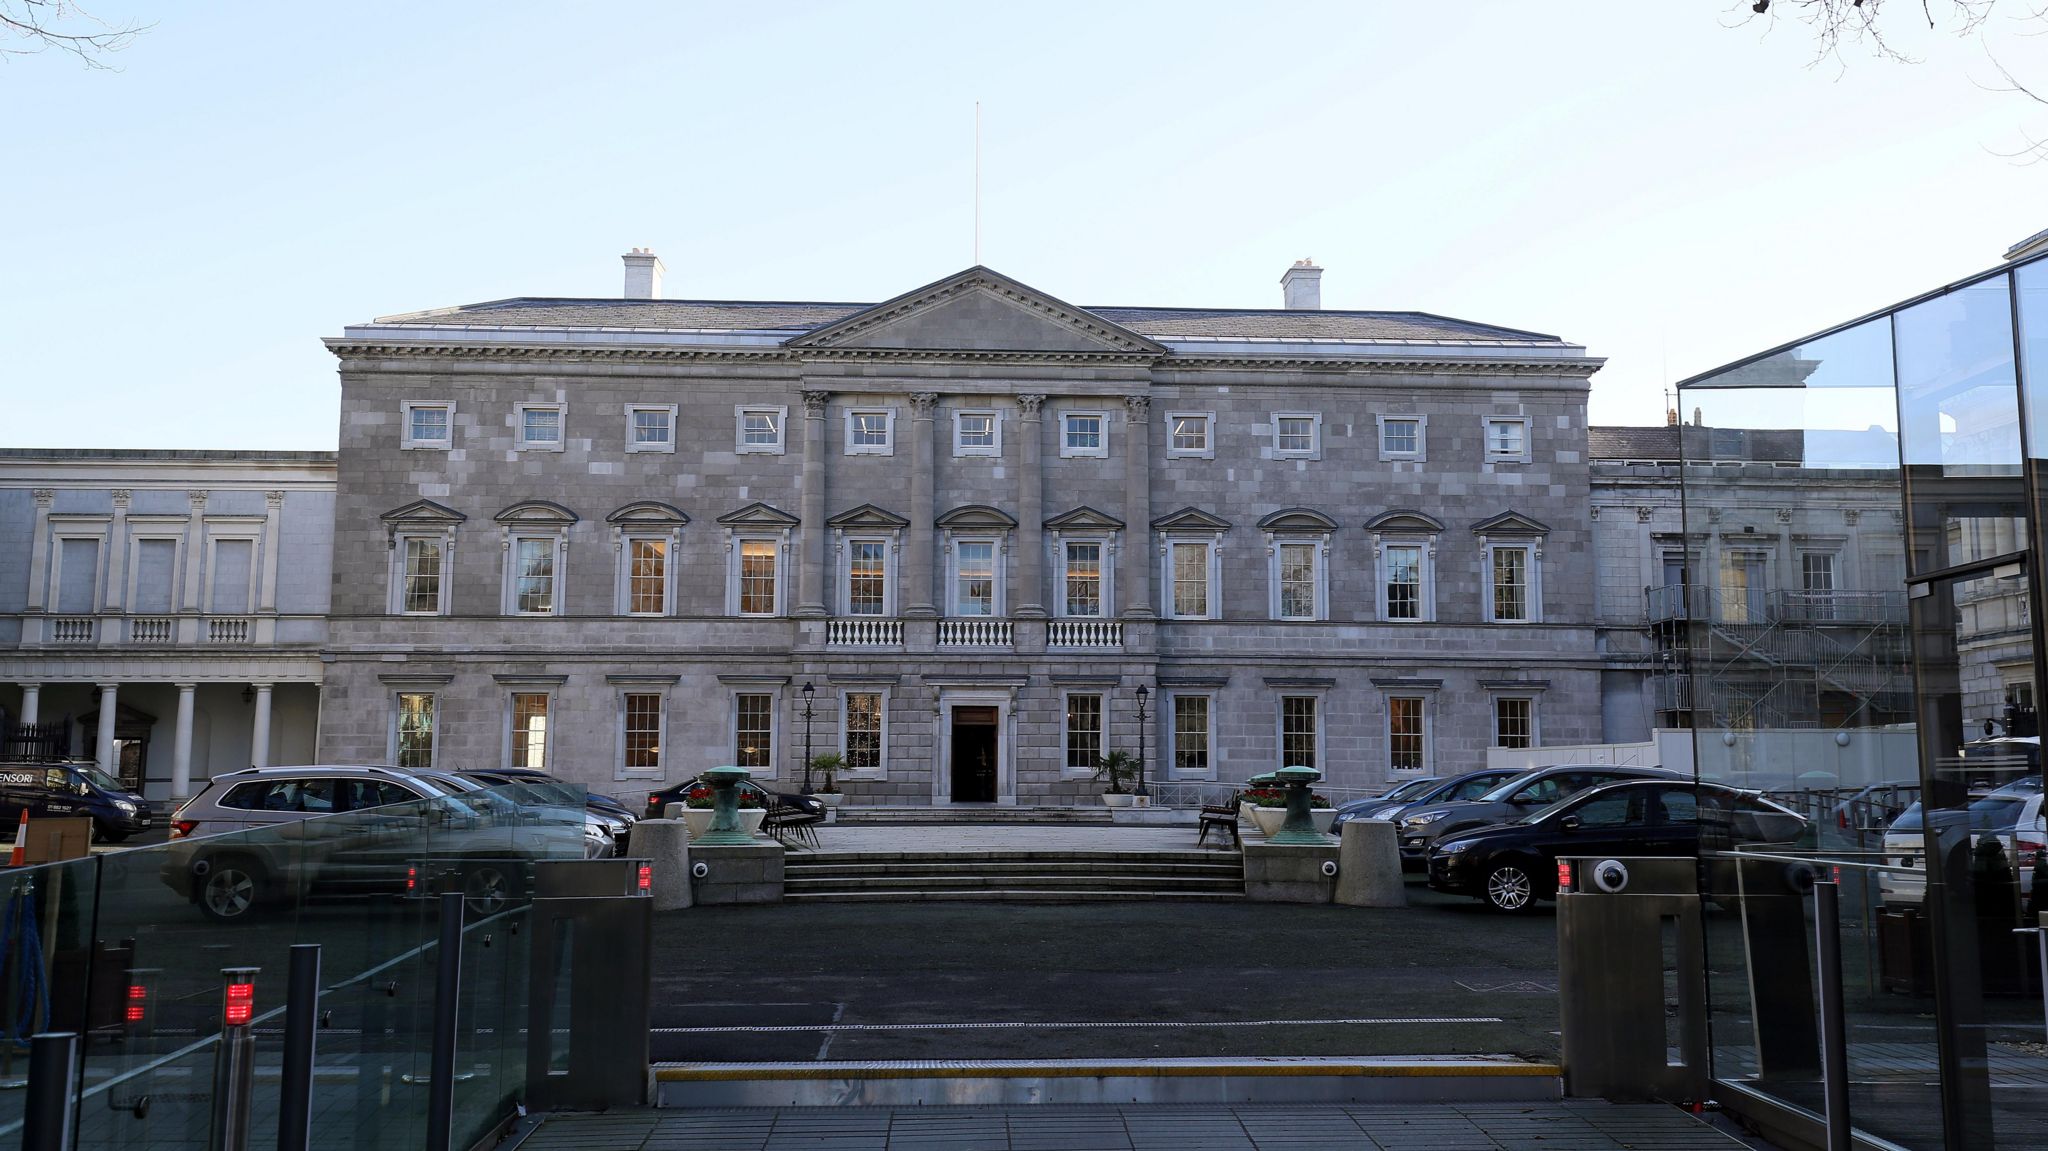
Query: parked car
(597, 801)
(1513, 865)
(537, 787)
(602, 836)
(1470, 785)
(1424, 825)
(72, 790)
(658, 801)
(2012, 813)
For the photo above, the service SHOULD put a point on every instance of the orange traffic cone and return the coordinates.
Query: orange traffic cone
(20, 855)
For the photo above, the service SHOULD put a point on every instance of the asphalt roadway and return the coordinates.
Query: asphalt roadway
(795, 982)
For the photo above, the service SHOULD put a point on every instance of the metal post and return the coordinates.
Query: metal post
(1834, 1037)
(809, 691)
(234, 1061)
(52, 1083)
(447, 990)
(1143, 693)
(301, 1011)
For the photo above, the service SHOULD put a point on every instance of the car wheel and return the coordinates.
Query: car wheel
(487, 888)
(101, 833)
(1510, 888)
(230, 889)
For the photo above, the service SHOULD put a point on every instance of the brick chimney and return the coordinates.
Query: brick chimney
(643, 274)
(1302, 287)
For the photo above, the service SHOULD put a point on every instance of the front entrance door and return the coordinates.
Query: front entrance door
(974, 755)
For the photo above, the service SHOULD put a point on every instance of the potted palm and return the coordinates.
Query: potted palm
(827, 765)
(1117, 768)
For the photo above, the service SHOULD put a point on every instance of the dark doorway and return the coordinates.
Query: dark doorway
(974, 755)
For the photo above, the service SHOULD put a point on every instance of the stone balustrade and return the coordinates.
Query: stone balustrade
(1096, 633)
(864, 632)
(974, 633)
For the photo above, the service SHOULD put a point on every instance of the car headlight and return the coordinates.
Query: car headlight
(1423, 820)
(1455, 846)
(124, 805)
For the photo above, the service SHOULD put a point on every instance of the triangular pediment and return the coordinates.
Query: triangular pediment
(1404, 520)
(1084, 518)
(1510, 523)
(977, 517)
(536, 512)
(759, 515)
(652, 513)
(868, 516)
(977, 310)
(1297, 520)
(1190, 520)
(423, 512)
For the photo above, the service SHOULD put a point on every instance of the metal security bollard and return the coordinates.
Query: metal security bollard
(301, 1012)
(52, 1083)
(234, 1061)
(447, 993)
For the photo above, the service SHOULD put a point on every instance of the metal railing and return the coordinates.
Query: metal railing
(1106, 633)
(1705, 603)
(857, 631)
(974, 633)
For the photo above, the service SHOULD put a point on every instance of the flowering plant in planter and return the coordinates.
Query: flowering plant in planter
(1277, 797)
(699, 797)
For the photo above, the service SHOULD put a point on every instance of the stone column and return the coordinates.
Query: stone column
(259, 729)
(104, 753)
(195, 540)
(39, 552)
(181, 746)
(810, 595)
(31, 702)
(117, 552)
(273, 512)
(919, 582)
(1134, 575)
(1029, 595)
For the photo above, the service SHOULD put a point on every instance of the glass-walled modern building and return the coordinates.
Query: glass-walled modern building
(1856, 600)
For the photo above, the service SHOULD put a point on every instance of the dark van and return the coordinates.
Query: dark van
(71, 789)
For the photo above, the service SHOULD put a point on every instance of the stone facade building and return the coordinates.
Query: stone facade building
(962, 538)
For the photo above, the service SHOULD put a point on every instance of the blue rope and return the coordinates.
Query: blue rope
(18, 930)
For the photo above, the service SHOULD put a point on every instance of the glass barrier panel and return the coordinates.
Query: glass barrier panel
(51, 959)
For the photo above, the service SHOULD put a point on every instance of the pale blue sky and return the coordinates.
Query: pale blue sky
(1648, 179)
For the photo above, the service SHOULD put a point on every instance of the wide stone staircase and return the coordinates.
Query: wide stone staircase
(1026, 876)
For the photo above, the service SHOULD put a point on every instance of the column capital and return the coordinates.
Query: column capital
(186, 686)
(262, 686)
(274, 499)
(198, 497)
(1137, 409)
(814, 402)
(1030, 403)
(42, 496)
(922, 403)
(121, 497)
(114, 686)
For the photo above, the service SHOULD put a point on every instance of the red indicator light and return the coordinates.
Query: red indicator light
(1564, 875)
(412, 880)
(138, 1008)
(654, 801)
(646, 877)
(135, 1013)
(241, 1004)
(137, 991)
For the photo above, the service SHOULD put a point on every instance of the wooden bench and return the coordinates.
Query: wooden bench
(1223, 816)
(790, 825)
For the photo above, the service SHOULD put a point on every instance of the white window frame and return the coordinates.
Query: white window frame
(1102, 696)
(776, 746)
(239, 530)
(888, 540)
(1421, 452)
(624, 591)
(732, 573)
(1426, 573)
(519, 440)
(154, 530)
(100, 561)
(1214, 545)
(558, 539)
(1322, 749)
(881, 768)
(1207, 451)
(444, 537)
(888, 445)
(1535, 590)
(391, 728)
(620, 691)
(1100, 450)
(1535, 719)
(1428, 700)
(740, 412)
(405, 440)
(547, 751)
(1106, 583)
(1170, 741)
(1320, 543)
(998, 551)
(1498, 457)
(633, 445)
(995, 416)
(1315, 449)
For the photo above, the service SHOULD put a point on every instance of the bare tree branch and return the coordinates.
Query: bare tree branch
(30, 27)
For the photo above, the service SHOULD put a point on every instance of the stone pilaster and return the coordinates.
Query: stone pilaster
(39, 551)
(117, 552)
(917, 580)
(1029, 591)
(810, 596)
(1134, 575)
(273, 518)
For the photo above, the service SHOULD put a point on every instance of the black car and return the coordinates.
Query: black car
(1512, 865)
(1470, 785)
(658, 801)
(604, 805)
(74, 790)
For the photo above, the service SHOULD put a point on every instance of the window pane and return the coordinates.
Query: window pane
(416, 729)
(1084, 579)
(863, 730)
(1297, 581)
(1404, 582)
(1504, 437)
(1191, 734)
(1510, 583)
(1513, 723)
(1400, 436)
(1191, 433)
(647, 578)
(1191, 580)
(977, 431)
(1297, 434)
(429, 424)
(541, 426)
(650, 427)
(1404, 733)
(762, 428)
(643, 731)
(1297, 731)
(867, 586)
(1084, 731)
(534, 591)
(1084, 432)
(976, 590)
(530, 730)
(871, 429)
(78, 585)
(757, 577)
(754, 731)
(422, 576)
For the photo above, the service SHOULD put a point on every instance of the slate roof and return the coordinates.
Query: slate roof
(1157, 323)
(1625, 443)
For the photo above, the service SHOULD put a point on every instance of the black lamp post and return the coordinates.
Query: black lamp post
(1144, 693)
(809, 691)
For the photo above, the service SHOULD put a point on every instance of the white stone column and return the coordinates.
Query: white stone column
(39, 552)
(810, 598)
(1030, 567)
(31, 702)
(918, 581)
(259, 730)
(117, 553)
(195, 540)
(1134, 577)
(103, 754)
(181, 746)
(273, 511)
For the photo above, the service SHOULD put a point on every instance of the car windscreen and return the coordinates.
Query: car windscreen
(1413, 789)
(1991, 813)
(99, 779)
